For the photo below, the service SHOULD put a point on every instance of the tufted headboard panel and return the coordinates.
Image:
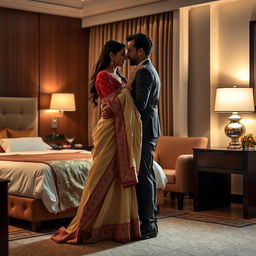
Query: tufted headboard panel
(18, 113)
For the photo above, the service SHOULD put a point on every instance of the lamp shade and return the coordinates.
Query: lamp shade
(63, 101)
(234, 100)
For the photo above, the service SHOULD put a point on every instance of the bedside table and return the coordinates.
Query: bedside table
(213, 168)
(4, 217)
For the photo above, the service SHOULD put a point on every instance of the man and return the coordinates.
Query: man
(145, 93)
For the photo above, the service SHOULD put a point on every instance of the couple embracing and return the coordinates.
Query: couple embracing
(119, 198)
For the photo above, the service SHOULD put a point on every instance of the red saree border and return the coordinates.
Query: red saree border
(127, 174)
(98, 195)
(119, 232)
(92, 205)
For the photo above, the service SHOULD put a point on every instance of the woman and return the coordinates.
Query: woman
(108, 208)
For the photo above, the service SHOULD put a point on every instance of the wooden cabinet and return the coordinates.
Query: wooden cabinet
(213, 169)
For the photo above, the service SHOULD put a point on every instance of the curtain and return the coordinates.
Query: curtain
(159, 28)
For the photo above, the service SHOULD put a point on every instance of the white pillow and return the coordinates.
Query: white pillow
(161, 179)
(24, 144)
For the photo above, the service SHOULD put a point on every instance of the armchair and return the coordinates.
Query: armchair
(175, 155)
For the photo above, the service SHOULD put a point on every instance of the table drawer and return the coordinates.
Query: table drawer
(227, 159)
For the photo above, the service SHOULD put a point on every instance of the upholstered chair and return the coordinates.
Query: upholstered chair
(175, 156)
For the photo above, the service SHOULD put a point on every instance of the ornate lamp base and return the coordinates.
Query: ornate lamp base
(234, 130)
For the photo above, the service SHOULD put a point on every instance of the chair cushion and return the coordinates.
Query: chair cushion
(170, 174)
(169, 148)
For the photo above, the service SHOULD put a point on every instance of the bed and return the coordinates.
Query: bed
(40, 199)
(20, 114)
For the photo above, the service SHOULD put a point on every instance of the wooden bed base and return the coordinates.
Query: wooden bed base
(34, 211)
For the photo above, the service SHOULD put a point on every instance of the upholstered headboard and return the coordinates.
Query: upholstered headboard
(18, 113)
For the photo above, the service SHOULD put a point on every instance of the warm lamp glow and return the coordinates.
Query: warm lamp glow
(243, 75)
(234, 100)
(63, 102)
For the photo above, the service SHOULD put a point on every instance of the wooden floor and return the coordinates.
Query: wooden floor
(235, 211)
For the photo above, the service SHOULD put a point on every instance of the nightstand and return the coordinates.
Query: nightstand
(213, 168)
(4, 217)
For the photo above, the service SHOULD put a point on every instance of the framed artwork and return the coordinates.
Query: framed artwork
(253, 57)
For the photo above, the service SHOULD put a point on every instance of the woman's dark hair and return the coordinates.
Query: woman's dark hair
(102, 63)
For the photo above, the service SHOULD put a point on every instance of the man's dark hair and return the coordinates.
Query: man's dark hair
(141, 41)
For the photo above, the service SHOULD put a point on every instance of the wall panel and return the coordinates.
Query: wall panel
(19, 53)
(41, 54)
(63, 68)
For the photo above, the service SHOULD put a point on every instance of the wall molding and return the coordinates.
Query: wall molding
(31, 6)
(102, 11)
(94, 17)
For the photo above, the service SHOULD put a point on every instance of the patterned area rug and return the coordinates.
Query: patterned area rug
(167, 213)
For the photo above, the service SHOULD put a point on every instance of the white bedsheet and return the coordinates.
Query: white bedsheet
(161, 179)
(34, 180)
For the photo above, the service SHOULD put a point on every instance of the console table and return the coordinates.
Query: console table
(213, 168)
(4, 217)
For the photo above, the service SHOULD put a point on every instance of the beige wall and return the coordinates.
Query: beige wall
(229, 22)
(199, 72)
(234, 61)
(234, 53)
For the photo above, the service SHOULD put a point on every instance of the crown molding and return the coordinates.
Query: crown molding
(102, 6)
(149, 8)
(40, 7)
(96, 12)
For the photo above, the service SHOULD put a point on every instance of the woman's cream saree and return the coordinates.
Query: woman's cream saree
(108, 208)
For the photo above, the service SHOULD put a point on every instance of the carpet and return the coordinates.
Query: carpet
(43, 247)
(24, 234)
(21, 231)
(239, 223)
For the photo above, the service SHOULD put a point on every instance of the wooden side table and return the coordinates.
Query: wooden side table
(4, 217)
(213, 168)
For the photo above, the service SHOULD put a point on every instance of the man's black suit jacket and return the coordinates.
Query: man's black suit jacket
(145, 93)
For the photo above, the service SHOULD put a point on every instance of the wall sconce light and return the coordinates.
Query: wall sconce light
(234, 100)
(61, 102)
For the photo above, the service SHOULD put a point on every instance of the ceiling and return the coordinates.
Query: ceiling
(79, 4)
(95, 12)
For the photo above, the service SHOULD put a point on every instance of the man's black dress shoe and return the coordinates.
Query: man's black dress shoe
(148, 234)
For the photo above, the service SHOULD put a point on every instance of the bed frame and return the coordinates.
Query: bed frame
(20, 114)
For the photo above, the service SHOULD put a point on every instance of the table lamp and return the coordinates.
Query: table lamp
(234, 100)
(61, 102)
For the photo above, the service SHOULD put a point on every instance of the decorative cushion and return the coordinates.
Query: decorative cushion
(24, 144)
(3, 133)
(20, 133)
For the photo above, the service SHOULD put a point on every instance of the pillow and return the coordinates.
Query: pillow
(3, 133)
(24, 144)
(20, 133)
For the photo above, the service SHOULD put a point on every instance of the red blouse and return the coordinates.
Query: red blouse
(106, 84)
